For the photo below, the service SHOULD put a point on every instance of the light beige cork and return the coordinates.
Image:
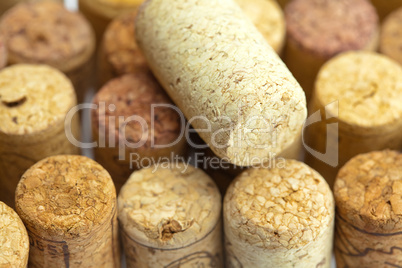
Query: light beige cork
(45, 32)
(280, 216)
(68, 204)
(14, 241)
(391, 36)
(384, 8)
(170, 216)
(34, 101)
(223, 75)
(367, 90)
(368, 196)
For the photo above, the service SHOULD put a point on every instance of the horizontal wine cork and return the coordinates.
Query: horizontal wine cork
(14, 243)
(368, 196)
(223, 75)
(34, 102)
(362, 92)
(391, 36)
(68, 205)
(386, 7)
(46, 32)
(170, 216)
(281, 216)
(155, 134)
(319, 29)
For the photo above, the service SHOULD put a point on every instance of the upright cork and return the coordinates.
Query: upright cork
(68, 205)
(221, 72)
(317, 30)
(391, 36)
(14, 241)
(46, 32)
(384, 8)
(34, 102)
(281, 216)
(170, 216)
(368, 197)
(362, 93)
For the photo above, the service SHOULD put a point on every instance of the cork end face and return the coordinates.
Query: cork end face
(66, 196)
(368, 192)
(14, 244)
(391, 36)
(169, 206)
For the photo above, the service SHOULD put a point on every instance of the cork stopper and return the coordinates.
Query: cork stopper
(65, 197)
(32, 98)
(326, 27)
(46, 32)
(391, 36)
(169, 206)
(368, 87)
(368, 191)
(285, 207)
(14, 242)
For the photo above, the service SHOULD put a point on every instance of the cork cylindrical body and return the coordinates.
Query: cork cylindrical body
(68, 205)
(14, 244)
(368, 192)
(384, 8)
(34, 102)
(170, 216)
(354, 92)
(391, 36)
(281, 216)
(220, 71)
(315, 33)
(45, 32)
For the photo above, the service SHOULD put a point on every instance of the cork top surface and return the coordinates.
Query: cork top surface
(120, 48)
(45, 32)
(65, 197)
(368, 87)
(169, 206)
(268, 17)
(14, 242)
(32, 98)
(286, 206)
(368, 192)
(391, 36)
(328, 27)
(134, 95)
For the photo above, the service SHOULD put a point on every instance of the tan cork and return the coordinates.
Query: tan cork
(280, 216)
(68, 204)
(14, 242)
(34, 101)
(367, 89)
(46, 32)
(391, 36)
(368, 195)
(171, 217)
(214, 63)
(384, 8)
(320, 29)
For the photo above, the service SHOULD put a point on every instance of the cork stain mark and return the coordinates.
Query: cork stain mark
(171, 227)
(321, 263)
(15, 102)
(66, 256)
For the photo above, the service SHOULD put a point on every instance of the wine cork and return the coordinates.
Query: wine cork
(386, 7)
(317, 30)
(391, 36)
(268, 17)
(368, 191)
(154, 135)
(223, 75)
(68, 205)
(280, 216)
(14, 243)
(362, 92)
(47, 33)
(170, 216)
(34, 102)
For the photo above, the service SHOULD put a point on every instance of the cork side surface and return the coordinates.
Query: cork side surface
(169, 207)
(391, 36)
(326, 27)
(14, 242)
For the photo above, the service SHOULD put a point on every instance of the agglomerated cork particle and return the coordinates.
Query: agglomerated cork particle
(326, 28)
(391, 36)
(14, 242)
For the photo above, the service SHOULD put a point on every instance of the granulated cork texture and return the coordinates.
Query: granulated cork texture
(14, 242)
(214, 63)
(368, 194)
(279, 217)
(391, 35)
